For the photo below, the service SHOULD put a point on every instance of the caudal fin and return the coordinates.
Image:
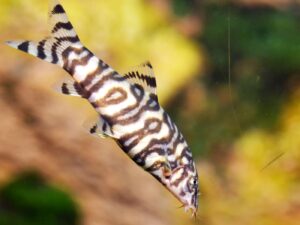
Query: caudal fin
(62, 36)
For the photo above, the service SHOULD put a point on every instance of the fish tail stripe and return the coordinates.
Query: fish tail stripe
(58, 9)
(54, 53)
(24, 46)
(41, 50)
(149, 65)
(62, 36)
(61, 25)
(65, 47)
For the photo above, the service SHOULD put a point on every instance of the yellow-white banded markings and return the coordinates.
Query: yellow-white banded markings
(145, 108)
(85, 66)
(182, 154)
(96, 76)
(74, 54)
(138, 135)
(154, 159)
(141, 157)
(161, 144)
(135, 95)
(79, 63)
(142, 131)
(101, 88)
(140, 123)
(178, 176)
(133, 117)
(113, 97)
(133, 112)
(178, 152)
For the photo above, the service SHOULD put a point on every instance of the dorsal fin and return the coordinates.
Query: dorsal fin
(143, 75)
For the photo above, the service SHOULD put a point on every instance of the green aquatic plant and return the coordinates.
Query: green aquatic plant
(29, 200)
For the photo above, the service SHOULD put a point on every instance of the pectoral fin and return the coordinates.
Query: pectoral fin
(69, 87)
(99, 128)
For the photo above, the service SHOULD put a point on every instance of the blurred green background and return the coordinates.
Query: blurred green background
(228, 74)
(30, 200)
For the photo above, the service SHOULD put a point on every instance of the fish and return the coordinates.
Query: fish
(127, 106)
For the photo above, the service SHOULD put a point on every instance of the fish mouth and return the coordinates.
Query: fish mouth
(187, 206)
(177, 196)
(192, 209)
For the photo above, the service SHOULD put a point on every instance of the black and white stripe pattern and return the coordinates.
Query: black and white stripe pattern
(128, 107)
(62, 36)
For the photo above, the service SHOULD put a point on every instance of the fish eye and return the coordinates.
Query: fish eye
(193, 184)
(194, 181)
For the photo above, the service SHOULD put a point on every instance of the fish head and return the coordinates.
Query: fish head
(183, 183)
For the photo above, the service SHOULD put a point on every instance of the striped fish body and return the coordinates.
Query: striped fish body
(128, 107)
